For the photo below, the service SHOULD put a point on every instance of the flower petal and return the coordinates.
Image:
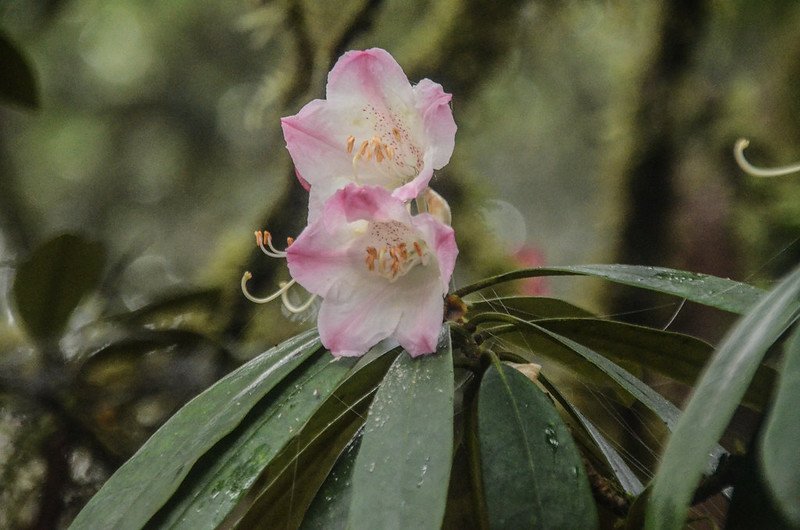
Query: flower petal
(433, 103)
(319, 258)
(357, 203)
(442, 240)
(351, 325)
(369, 76)
(318, 146)
(422, 316)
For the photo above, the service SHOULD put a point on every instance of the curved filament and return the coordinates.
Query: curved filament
(747, 167)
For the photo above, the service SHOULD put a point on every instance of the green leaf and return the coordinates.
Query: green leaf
(680, 357)
(49, 284)
(666, 411)
(715, 399)
(403, 466)
(225, 474)
(17, 83)
(778, 450)
(146, 481)
(168, 307)
(623, 474)
(752, 506)
(331, 505)
(704, 289)
(529, 307)
(289, 483)
(533, 476)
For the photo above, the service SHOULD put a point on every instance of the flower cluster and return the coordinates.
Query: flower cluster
(364, 154)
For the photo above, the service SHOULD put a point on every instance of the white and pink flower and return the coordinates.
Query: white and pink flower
(373, 129)
(380, 271)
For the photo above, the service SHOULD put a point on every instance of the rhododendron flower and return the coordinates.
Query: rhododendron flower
(374, 128)
(379, 271)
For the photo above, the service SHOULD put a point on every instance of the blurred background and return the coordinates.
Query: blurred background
(589, 131)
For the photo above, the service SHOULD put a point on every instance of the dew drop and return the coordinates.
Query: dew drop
(550, 438)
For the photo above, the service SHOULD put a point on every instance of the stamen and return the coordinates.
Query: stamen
(289, 241)
(362, 151)
(372, 256)
(351, 141)
(296, 308)
(747, 167)
(390, 152)
(396, 133)
(285, 286)
(418, 249)
(271, 251)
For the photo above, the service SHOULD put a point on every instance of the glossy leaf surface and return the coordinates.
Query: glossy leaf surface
(331, 505)
(623, 474)
(289, 483)
(704, 289)
(402, 471)
(529, 307)
(533, 476)
(212, 491)
(145, 482)
(778, 451)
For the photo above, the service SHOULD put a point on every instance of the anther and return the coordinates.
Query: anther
(351, 141)
(390, 152)
(418, 248)
(396, 133)
(289, 241)
(363, 150)
(372, 255)
(747, 167)
(264, 242)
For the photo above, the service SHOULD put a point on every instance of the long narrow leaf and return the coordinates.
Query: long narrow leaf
(704, 289)
(208, 494)
(626, 478)
(715, 398)
(289, 483)
(529, 307)
(666, 411)
(146, 481)
(331, 505)
(402, 470)
(778, 450)
(677, 356)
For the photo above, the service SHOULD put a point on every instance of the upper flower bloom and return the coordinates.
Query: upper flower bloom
(374, 128)
(380, 272)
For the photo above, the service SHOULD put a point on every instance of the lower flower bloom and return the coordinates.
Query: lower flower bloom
(380, 271)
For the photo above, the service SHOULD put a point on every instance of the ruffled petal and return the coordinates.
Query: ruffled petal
(317, 141)
(370, 76)
(433, 104)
